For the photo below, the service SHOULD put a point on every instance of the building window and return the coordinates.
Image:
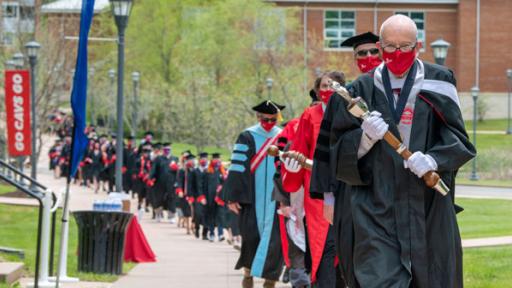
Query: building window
(338, 26)
(419, 19)
(10, 10)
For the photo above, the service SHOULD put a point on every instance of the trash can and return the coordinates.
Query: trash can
(101, 238)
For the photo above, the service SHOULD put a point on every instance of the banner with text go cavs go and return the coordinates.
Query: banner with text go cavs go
(17, 106)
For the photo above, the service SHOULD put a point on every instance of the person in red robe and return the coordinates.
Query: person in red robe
(319, 232)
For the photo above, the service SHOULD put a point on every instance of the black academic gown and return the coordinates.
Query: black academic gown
(187, 183)
(259, 226)
(160, 173)
(200, 194)
(405, 234)
(213, 213)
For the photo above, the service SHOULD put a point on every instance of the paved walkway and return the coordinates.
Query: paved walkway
(467, 191)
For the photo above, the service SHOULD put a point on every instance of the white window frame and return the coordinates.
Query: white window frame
(15, 5)
(340, 30)
(424, 30)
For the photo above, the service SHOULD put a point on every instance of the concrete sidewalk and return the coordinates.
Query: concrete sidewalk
(487, 242)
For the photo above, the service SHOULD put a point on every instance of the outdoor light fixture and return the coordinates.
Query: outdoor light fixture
(32, 48)
(121, 11)
(440, 50)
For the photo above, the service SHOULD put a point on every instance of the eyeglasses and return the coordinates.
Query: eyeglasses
(364, 52)
(405, 48)
(269, 120)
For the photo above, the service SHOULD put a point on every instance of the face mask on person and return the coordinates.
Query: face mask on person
(268, 123)
(190, 164)
(216, 163)
(203, 162)
(167, 152)
(399, 62)
(325, 95)
(366, 64)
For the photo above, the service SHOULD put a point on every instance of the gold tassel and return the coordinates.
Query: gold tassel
(279, 116)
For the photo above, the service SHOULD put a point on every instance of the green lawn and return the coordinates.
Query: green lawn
(488, 267)
(484, 218)
(494, 159)
(178, 148)
(489, 125)
(19, 230)
(5, 188)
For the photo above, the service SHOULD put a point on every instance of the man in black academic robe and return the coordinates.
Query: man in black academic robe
(187, 188)
(214, 213)
(405, 234)
(170, 181)
(200, 200)
(323, 178)
(159, 175)
(248, 191)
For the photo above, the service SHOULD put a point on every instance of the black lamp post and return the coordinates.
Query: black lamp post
(135, 103)
(440, 50)
(474, 94)
(121, 11)
(91, 96)
(269, 82)
(32, 50)
(112, 77)
(509, 77)
(18, 60)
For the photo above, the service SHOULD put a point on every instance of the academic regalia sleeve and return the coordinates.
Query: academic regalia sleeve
(180, 181)
(349, 168)
(239, 184)
(293, 181)
(321, 172)
(453, 147)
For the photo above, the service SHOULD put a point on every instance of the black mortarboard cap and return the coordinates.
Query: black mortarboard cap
(157, 146)
(148, 133)
(166, 144)
(360, 39)
(130, 138)
(190, 156)
(215, 155)
(203, 155)
(186, 153)
(268, 107)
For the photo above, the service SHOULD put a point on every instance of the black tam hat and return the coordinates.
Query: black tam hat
(360, 39)
(215, 155)
(268, 107)
(203, 155)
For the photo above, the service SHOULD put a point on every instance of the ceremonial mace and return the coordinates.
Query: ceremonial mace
(359, 109)
(306, 163)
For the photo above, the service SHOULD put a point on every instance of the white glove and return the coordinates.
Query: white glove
(292, 165)
(420, 163)
(374, 126)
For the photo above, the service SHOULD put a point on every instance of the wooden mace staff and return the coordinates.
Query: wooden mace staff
(306, 163)
(359, 109)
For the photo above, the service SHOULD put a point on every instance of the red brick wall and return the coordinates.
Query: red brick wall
(454, 23)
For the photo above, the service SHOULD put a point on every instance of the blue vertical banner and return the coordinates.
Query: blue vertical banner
(79, 92)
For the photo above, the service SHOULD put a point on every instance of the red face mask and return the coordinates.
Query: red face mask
(325, 95)
(399, 62)
(190, 164)
(267, 126)
(366, 64)
(203, 162)
(216, 163)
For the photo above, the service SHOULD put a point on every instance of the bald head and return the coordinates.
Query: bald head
(398, 27)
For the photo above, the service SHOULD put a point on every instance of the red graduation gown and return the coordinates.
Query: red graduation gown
(305, 142)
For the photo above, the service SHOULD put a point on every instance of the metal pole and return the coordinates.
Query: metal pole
(112, 76)
(120, 136)
(134, 108)
(33, 156)
(509, 78)
(474, 92)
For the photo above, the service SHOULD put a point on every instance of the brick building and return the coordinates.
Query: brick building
(453, 20)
